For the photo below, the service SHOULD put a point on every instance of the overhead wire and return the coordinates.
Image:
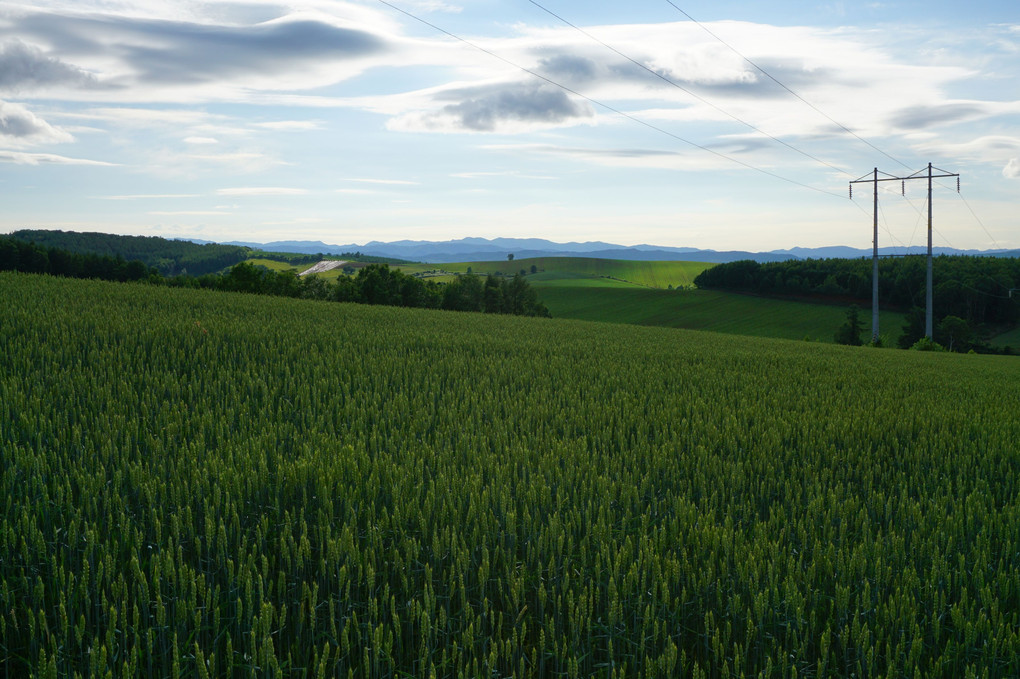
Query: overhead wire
(684, 140)
(978, 220)
(823, 113)
(680, 87)
(603, 105)
(776, 80)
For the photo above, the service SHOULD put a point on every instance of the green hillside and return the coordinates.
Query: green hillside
(169, 257)
(1008, 339)
(705, 310)
(198, 483)
(648, 274)
(618, 291)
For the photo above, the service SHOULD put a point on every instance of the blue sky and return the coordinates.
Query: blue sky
(349, 122)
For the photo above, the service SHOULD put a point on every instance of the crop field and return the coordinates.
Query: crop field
(208, 484)
(647, 274)
(603, 271)
(276, 265)
(712, 310)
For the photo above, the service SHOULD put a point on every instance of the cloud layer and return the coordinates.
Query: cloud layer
(24, 66)
(19, 126)
(257, 101)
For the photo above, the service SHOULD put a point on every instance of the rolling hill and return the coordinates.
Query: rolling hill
(211, 484)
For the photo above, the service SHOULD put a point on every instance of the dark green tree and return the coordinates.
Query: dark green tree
(850, 332)
(913, 329)
(954, 333)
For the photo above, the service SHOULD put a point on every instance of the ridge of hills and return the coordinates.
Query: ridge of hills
(482, 249)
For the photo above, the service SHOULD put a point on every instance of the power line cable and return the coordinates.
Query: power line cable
(776, 80)
(680, 87)
(917, 222)
(607, 106)
(978, 219)
(885, 227)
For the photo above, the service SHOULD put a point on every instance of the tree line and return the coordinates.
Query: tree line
(29, 257)
(379, 284)
(374, 284)
(974, 290)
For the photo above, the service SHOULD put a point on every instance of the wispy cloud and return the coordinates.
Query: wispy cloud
(392, 182)
(24, 66)
(506, 173)
(129, 55)
(149, 196)
(1012, 169)
(291, 125)
(623, 157)
(20, 126)
(187, 213)
(498, 108)
(262, 191)
(434, 6)
(20, 158)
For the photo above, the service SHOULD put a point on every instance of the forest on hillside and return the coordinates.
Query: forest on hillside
(976, 290)
(169, 257)
(374, 284)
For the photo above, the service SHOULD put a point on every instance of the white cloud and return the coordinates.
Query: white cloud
(637, 158)
(434, 6)
(188, 213)
(1012, 169)
(21, 127)
(152, 196)
(289, 125)
(25, 67)
(262, 191)
(400, 182)
(19, 158)
(985, 149)
(508, 107)
(147, 56)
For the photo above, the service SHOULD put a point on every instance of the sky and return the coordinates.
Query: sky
(722, 124)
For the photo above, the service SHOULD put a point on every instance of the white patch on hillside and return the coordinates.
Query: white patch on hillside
(323, 266)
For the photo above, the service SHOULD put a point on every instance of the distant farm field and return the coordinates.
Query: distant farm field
(275, 265)
(1008, 339)
(647, 274)
(636, 292)
(706, 310)
(197, 483)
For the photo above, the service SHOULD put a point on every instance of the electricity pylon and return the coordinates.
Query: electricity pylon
(875, 179)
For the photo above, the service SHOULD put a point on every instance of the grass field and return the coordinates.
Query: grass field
(644, 274)
(647, 274)
(636, 293)
(274, 265)
(207, 484)
(705, 310)
(1008, 339)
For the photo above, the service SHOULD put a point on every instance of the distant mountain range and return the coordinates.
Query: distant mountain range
(484, 249)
